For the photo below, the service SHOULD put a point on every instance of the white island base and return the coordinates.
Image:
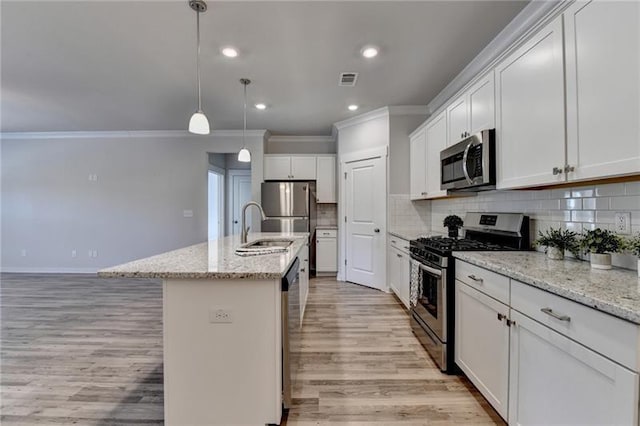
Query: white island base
(222, 373)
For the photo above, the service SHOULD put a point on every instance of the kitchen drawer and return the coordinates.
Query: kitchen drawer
(487, 282)
(613, 337)
(399, 243)
(326, 233)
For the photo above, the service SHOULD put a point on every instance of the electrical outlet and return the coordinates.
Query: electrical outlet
(220, 316)
(23, 252)
(623, 223)
(74, 253)
(187, 213)
(95, 253)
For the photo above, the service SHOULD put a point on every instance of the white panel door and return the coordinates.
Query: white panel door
(277, 167)
(326, 180)
(303, 168)
(603, 88)
(418, 165)
(366, 222)
(241, 195)
(436, 142)
(556, 381)
(530, 111)
(482, 344)
(482, 100)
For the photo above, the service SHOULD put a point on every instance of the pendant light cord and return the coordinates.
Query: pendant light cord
(244, 127)
(198, 59)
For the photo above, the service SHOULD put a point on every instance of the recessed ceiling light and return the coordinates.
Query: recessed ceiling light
(229, 52)
(261, 106)
(369, 52)
(352, 107)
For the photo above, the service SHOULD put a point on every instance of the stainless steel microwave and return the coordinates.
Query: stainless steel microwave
(469, 165)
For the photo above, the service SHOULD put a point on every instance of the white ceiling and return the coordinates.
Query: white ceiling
(120, 65)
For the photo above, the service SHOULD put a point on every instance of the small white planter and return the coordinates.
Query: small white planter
(600, 260)
(555, 253)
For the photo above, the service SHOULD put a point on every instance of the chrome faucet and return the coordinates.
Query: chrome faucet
(245, 229)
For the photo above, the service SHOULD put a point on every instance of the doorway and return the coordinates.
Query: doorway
(215, 204)
(229, 189)
(239, 189)
(365, 222)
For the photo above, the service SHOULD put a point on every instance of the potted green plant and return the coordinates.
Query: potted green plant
(600, 243)
(453, 223)
(557, 241)
(634, 247)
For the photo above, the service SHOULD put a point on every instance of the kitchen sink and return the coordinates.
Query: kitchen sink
(260, 244)
(258, 247)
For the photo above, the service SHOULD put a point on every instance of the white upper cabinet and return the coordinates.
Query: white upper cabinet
(326, 179)
(418, 165)
(602, 47)
(303, 168)
(530, 112)
(458, 119)
(277, 167)
(287, 167)
(473, 111)
(436, 142)
(482, 101)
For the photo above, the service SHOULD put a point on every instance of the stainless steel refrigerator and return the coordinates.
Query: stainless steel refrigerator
(289, 206)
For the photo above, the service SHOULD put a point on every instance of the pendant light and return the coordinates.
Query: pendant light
(244, 155)
(199, 124)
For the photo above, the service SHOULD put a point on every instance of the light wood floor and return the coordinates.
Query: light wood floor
(82, 350)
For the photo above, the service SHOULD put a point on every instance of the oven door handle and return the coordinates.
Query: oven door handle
(465, 156)
(430, 270)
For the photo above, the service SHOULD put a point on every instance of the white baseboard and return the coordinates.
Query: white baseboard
(23, 270)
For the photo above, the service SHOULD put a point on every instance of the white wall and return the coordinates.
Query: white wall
(134, 209)
(300, 145)
(400, 127)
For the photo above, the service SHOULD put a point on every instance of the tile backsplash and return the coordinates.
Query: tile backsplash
(576, 208)
(327, 214)
(407, 215)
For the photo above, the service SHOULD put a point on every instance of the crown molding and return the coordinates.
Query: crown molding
(367, 116)
(127, 134)
(531, 17)
(303, 139)
(409, 110)
(383, 112)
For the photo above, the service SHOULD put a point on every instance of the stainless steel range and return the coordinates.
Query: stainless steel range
(433, 276)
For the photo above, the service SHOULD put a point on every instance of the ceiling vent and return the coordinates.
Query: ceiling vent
(348, 79)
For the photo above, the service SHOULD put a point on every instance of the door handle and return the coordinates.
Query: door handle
(235, 221)
(377, 230)
(430, 270)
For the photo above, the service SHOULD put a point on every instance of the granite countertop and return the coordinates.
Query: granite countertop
(215, 259)
(616, 291)
(407, 234)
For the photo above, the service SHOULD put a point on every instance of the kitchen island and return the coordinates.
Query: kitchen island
(222, 322)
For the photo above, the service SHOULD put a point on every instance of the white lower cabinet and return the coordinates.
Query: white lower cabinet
(399, 268)
(304, 280)
(326, 251)
(482, 344)
(534, 359)
(554, 380)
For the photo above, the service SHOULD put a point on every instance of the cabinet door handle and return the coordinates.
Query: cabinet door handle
(501, 316)
(393, 241)
(399, 255)
(476, 279)
(568, 169)
(560, 317)
(557, 171)
(302, 270)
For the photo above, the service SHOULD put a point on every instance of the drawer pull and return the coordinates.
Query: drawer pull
(550, 312)
(393, 241)
(476, 279)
